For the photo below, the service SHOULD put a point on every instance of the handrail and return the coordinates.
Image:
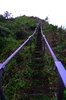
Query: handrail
(13, 54)
(61, 72)
(52, 53)
(59, 66)
(2, 65)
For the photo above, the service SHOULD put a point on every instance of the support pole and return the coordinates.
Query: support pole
(2, 97)
(60, 90)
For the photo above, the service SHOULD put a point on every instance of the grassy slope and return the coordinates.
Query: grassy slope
(18, 70)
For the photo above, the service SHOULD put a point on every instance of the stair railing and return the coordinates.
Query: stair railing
(61, 72)
(3, 65)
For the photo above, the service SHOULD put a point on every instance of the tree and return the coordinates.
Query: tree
(46, 19)
(2, 18)
(7, 15)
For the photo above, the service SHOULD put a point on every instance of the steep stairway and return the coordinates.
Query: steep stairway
(39, 81)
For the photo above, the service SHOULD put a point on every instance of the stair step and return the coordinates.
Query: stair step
(37, 62)
(35, 94)
(38, 93)
(37, 58)
(38, 54)
(37, 51)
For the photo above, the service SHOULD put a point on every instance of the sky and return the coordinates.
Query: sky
(54, 9)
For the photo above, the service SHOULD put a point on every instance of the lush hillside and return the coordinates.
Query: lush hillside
(13, 32)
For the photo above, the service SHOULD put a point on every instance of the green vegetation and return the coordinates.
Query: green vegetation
(18, 75)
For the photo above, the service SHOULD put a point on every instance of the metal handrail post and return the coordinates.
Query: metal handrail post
(2, 96)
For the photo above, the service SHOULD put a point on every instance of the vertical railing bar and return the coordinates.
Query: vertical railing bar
(2, 96)
(60, 90)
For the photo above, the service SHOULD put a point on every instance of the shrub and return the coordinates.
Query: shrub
(21, 34)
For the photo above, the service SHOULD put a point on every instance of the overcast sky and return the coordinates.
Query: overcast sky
(54, 9)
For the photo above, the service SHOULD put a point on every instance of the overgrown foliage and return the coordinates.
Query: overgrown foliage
(17, 78)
